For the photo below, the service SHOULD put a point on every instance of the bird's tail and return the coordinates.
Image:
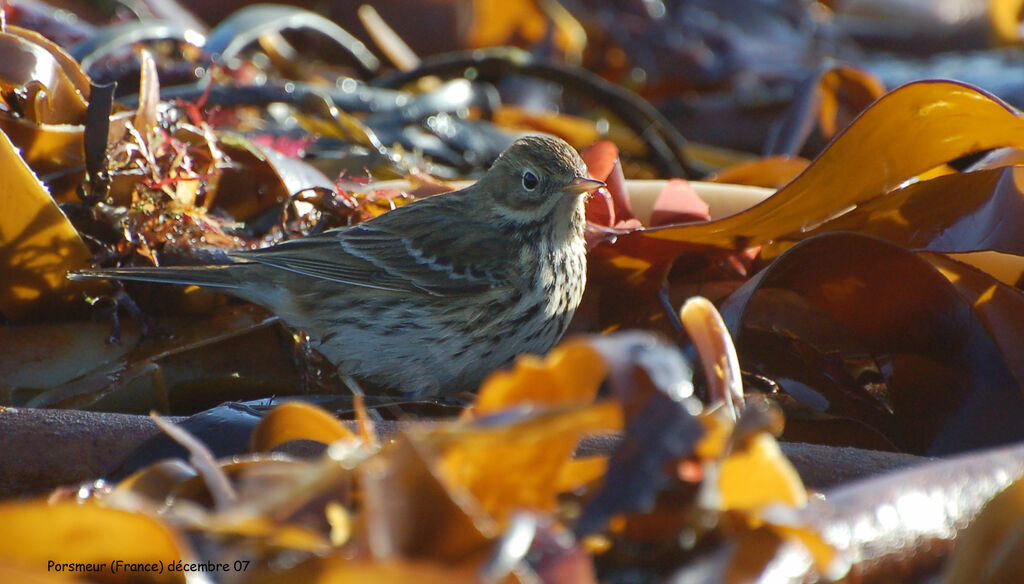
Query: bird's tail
(213, 276)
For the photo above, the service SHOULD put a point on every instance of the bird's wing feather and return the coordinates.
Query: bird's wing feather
(428, 256)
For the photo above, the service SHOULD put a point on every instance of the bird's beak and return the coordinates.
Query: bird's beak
(581, 185)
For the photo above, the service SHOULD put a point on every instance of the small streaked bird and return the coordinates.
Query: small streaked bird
(431, 297)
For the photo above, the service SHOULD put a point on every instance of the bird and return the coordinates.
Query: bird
(427, 299)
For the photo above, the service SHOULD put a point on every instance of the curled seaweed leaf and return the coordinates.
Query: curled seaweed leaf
(123, 36)
(856, 327)
(248, 24)
(666, 143)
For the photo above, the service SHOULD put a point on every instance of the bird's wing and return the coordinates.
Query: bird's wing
(441, 255)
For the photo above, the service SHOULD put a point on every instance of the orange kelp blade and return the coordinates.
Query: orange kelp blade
(856, 328)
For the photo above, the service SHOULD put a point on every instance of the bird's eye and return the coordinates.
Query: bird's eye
(530, 180)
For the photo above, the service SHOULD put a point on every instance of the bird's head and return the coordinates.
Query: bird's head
(535, 178)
